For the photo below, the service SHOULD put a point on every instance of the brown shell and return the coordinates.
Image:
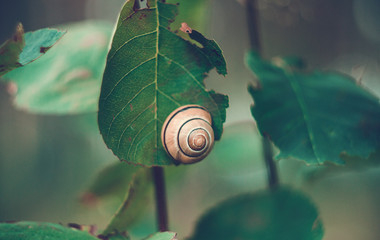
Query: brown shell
(187, 134)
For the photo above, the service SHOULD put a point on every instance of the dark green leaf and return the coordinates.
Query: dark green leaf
(150, 72)
(22, 48)
(314, 116)
(271, 215)
(67, 79)
(352, 163)
(136, 199)
(41, 231)
(163, 236)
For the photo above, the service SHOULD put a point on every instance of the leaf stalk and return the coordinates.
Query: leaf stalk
(160, 197)
(253, 31)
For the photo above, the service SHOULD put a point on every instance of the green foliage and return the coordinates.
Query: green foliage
(67, 78)
(135, 202)
(314, 116)
(22, 48)
(41, 231)
(272, 214)
(151, 71)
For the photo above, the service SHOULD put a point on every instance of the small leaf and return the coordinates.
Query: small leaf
(136, 199)
(41, 231)
(67, 79)
(271, 215)
(313, 116)
(163, 236)
(113, 180)
(150, 72)
(22, 48)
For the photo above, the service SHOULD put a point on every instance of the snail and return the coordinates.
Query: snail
(187, 134)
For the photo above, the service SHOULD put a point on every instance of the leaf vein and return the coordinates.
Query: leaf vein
(129, 124)
(130, 101)
(133, 69)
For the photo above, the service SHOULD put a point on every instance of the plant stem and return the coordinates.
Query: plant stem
(160, 193)
(253, 24)
(271, 165)
(253, 30)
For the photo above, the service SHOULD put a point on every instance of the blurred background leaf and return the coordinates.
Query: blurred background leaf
(136, 199)
(313, 116)
(270, 214)
(111, 181)
(22, 48)
(68, 78)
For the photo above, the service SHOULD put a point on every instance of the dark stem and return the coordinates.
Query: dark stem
(160, 193)
(253, 24)
(253, 30)
(271, 165)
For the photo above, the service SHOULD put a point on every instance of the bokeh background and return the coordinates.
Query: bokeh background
(47, 162)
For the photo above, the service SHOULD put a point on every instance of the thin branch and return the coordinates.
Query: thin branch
(253, 24)
(253, 30)
(160, 193)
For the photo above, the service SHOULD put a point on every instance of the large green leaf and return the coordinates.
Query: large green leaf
(313, 116)
(150, 72)
(41, 231)
(135, 202)
(66, 79)
(22, 48)
(272, 214)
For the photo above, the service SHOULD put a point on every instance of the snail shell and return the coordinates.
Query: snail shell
(187, 135)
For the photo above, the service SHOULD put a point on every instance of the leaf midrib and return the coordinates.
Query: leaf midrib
(300, 99)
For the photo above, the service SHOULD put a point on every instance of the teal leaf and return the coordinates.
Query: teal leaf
(22, 48)
(41, 231)
(67, 79)
(270, 214)
(313, 116)
(150, 72)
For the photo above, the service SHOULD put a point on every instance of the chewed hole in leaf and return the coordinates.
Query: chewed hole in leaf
(141, 4)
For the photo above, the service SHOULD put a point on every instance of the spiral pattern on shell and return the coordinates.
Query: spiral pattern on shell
(187, 134)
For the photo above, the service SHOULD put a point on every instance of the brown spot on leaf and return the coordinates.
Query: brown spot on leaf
(131, 107)
(44, 49)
